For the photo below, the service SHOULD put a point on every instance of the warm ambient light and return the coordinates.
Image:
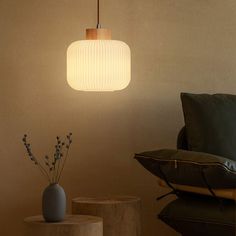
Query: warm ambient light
(98, 63)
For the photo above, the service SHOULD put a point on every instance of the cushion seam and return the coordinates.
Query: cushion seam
(188, 162)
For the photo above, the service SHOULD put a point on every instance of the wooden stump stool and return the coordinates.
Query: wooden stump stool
(76, 225)
(121, 215)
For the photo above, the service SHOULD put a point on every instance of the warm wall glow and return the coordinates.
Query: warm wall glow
(98, 65)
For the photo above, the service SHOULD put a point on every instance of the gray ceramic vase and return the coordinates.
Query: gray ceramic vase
(54, 203)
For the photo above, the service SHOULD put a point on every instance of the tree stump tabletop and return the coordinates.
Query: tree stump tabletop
(73, 225)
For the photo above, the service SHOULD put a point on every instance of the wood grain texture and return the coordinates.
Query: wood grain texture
(121, 215)
(76, 225)
(94, 34)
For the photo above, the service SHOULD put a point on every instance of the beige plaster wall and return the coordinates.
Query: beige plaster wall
(177, 45)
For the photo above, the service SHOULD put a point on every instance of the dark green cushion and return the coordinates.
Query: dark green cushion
(185, 167)
(197, 215)
(211, 123)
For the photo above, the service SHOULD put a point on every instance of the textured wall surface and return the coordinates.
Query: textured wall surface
(177, 45)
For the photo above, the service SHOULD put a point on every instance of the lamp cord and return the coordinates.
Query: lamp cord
(98, 14)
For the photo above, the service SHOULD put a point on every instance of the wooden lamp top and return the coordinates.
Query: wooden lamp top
(100, 33)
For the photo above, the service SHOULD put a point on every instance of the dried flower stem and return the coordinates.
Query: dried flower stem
(55, 165)
(63, 165)
(56, 160)
(65, 159)
(58, 169)
(43, 171)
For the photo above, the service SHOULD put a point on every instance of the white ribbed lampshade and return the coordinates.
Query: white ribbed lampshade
(98, 65)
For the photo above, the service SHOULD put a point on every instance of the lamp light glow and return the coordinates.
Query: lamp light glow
(98, 63)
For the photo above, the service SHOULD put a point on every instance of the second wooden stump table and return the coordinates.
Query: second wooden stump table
(121, 215)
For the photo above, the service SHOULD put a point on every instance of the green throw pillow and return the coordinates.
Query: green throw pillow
(190, 168)
(210, 122)
(197, 215)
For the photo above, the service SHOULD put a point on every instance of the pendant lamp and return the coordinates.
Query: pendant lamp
(98, 63)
